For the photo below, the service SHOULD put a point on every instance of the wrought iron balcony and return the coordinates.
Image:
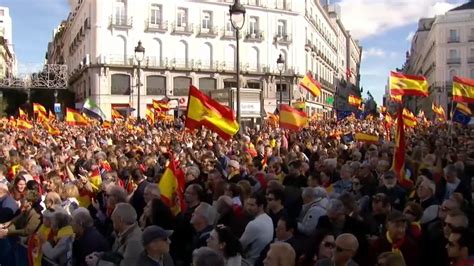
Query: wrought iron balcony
(284, 39)
(453, 39)
(156, 26)
(210, 32)
(255, 36)
(453, 61)
(123, 22)
(229, 34)
(183, 29)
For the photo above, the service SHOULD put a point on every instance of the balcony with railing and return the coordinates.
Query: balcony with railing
(209, 32)
(156, 26)
(182, 29)
(453, 39)
(255, 36)
(156, 62)
(123, 22)
(283, 5)
(259, 3)
(118, 59)
(229, 34)
(283, 39)
(470, 60)
(453, 61)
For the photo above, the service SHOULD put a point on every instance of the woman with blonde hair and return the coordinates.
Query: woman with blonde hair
(69, 195)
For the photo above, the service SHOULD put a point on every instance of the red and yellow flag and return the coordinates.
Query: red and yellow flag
(23, 124)
(439, 111)
(41, 117)
(116, 115)
(51, 116)
(409, 118)
(291, 118)
(74, 118)
(354, 100)
(22, 114)
(172, 187)
(398, 165)
(150, 115)
(396, 98)
(464, 108)
(106, 124)
(38, 108)
(368, 138)
(299, 104)
(204, 111)
(161, 105)
(52, 130)
(463, 90)
(403, 84)
(311, 85)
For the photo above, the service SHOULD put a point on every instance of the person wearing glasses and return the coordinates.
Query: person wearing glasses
(320, 246)
(346, 247)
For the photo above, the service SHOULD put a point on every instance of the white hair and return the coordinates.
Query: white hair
(126, 213)
(81, 216)
(207, 212)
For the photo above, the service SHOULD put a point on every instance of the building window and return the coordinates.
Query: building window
(228, 23)
(206, 20)
(120, 84)
(453, 35)
(2, 12)
(181, 86)
(253, 25)
(207, 85)
(120, 12)
(182, 17)
(155, 85)
(453, 53)
(281, 28)
(155, 14)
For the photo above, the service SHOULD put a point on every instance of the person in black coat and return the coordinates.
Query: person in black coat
(395, 192)
(137, 200)
(87, 238)
(337, 222)
(451, 184)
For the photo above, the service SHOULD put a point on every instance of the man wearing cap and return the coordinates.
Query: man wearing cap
(156, 243)
(396, 240)
(395, 192)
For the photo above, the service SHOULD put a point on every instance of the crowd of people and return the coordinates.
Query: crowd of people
(89, 196)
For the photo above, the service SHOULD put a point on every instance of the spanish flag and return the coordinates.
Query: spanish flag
(38, 108)
(368, 138)
(172, 187)
(409, 118)
(74, 118)
(52, 130)
(22, 114)
(116, 115)
(291, 118)
(439, 111)
(311, 85)
(396, 98)
(23, 124)
(354, 100)
(398, 165)
(463, 90)
(106, 124)
(464, 108)
(41, 117)
(299, 105)
(161, 105)
(402, 84)
(204, 111)
(150, 115)
(51, 116)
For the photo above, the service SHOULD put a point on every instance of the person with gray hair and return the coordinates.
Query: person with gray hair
(87, 239)
(314, 206)
(338, 222)
(202, 220)
(451, 183)
(206, 256)
(346, 248)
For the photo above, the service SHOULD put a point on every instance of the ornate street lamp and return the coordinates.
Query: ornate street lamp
(139, 55)
(237, 18)
(281, 67)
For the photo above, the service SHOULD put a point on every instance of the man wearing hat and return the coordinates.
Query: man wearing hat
(393, 190)
(156, 243)
(396, 240)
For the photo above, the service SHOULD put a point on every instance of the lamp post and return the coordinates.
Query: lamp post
(281, 66)
(237, 18)
(55, 96)
(139, 55)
